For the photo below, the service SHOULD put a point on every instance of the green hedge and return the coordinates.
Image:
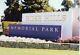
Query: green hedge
(40, 45)
(1, 33)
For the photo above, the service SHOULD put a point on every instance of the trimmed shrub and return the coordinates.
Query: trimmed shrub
(56, 46)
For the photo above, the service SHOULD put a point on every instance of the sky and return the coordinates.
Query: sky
(2, 7)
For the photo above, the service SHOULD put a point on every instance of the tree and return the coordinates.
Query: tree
(67, 4)
(12, 13)
(10, 2)
(32, 6)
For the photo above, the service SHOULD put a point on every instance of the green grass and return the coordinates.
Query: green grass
(19, 51)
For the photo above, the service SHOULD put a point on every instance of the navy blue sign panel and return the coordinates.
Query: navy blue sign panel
(48, 32)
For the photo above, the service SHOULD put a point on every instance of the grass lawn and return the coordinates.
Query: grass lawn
(19, 51)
